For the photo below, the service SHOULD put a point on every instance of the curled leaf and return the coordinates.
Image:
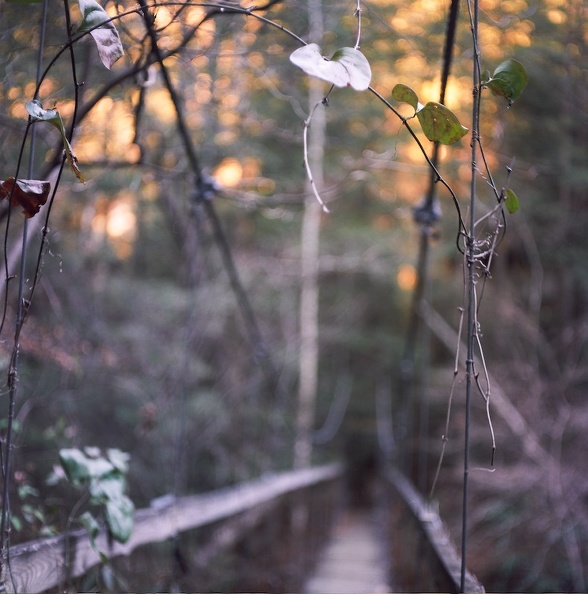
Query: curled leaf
(404, 94)
(35, 110)
(31, 194)
(347, 67)
(96, 20)
(440, 124)
(508, 80)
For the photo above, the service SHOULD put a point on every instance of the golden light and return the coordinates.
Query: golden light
(406, 277)
(229, 173)
(557, 17)
(121, 221)
(160, 105)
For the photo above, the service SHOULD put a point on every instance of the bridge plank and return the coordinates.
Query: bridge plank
(352, 562)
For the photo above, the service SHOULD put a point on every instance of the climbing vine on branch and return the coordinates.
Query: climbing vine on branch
(478, 234)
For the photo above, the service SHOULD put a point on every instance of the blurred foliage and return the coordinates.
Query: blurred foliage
(136, 341)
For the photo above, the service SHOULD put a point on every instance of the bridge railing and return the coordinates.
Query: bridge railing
(176, 539)
(423, 556)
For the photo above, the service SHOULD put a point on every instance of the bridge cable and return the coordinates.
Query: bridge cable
(426, 215)
(337, 410)
(204, 190)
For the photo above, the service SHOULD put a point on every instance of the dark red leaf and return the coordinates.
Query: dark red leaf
(31, 194)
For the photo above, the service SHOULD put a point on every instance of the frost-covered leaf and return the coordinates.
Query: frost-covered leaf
(404, 94)
(96, 20)
(35, 110)
(31, 194)
(348, 67)
(440, 124)
(508, 80)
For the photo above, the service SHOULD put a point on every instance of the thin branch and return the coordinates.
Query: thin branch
(202, 195)
(462, 231)
(309, 175)
(358, 15)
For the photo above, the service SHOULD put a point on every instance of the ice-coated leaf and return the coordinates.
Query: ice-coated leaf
(35, 110)
(511, 201)
(348, 67)
(96, 20)
(31, 194)
(404, 94)
(440, 124)
(508, 80)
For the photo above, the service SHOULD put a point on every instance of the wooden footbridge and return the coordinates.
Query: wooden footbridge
(284, 532)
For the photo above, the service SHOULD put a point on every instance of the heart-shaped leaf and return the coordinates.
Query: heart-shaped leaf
(508, 81)
(31, 194)
(404, 94)
(440, 124)
(96, 20)
(348, 67)
(357, 66)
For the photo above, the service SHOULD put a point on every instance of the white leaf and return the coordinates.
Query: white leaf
(311, 61)
(105, 35)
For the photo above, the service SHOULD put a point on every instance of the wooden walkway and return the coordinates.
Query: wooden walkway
(352, 562)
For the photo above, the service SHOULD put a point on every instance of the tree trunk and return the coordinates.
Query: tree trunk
(310, 236)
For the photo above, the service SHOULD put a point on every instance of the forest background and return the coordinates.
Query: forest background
(136, 338)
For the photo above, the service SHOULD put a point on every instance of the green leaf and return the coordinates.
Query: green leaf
(348, 67)
(79, 468)
(96, 20)
(119, 517)
(508, 80)
(511, 201)
(35, 110)
(16, 523)
(440, 124)
(75, 465)
(120, 460)
(107, 487)
(404, 94)
(89, 522)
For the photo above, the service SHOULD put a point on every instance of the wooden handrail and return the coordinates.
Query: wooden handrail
(427, 560)
(42, 564)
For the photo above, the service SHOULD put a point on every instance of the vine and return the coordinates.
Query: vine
(346, 67)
